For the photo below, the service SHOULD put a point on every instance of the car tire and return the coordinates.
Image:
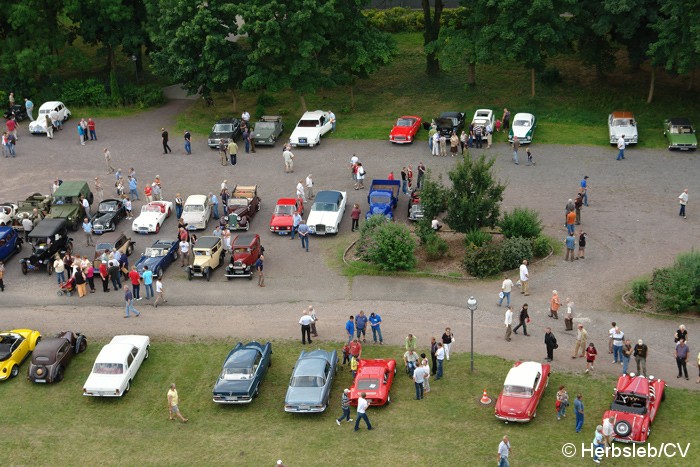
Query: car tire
(159, 273)
(176, 255)
(250, 277)
(148, 350)
(663, 396)
(49, 268)
(208, 275)
(91, 198)
(24, 268)
(81, 344)
(128, 387)
(189, 274)
(170, 211)
(622, 428)
(157, 228)
(60, 374)
(14, 371)
(388, 399)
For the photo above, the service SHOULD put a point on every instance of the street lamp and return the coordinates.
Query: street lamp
(472, 305)
(135, 59)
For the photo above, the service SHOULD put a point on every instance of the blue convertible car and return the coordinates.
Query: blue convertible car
(243, 371)
(10, 242)
(158, 257)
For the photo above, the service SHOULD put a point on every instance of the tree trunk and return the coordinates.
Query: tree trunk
(471, 74)
(352, 97)
(139, 60)
(431, 31)
(532, 82)
(302, 99)
(651, 85)
(235, 100)
(110, 58)
(691, 81)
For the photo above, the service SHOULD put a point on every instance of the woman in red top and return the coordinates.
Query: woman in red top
(591, 353)
(355, 216)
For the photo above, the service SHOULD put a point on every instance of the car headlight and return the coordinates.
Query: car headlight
(238, 218)
(269, 140)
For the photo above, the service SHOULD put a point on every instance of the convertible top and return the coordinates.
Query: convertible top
(48, 227)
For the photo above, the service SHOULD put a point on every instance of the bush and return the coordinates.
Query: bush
(149, 95)
(88, 93)
(678, 288)
(396, 19)
(514, 251)
(550, 76)
(541, 246)
(483, 262)
(477, 237)
(640, 289)
(393, 248)
(115, 92)
(368, 235)
(436, 248)
(424, 231)
(521, 222)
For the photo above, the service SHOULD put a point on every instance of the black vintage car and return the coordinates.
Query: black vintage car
(50, 236)
(19, 111)
(52, 355)
(227, 128)
(450, 122)
(109, 213)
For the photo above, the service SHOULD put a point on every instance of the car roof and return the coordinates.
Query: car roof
(196, 199)
(313, 114)
(47, 227)
(206, 242)
(71, 188)
(50, 104)
(47, 347)
(270, 118)
(679, 121)
(622, 114)
(523, 375)
(243, 357)
(523, 115)
(227, 120)
(5, 231)
(311, 366)
(244, 239)
(328, 196)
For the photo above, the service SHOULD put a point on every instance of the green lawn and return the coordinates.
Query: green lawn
(572, 112)
(56, 425)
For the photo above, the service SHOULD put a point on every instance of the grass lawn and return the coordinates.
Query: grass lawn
(574, 111)
(56, 425)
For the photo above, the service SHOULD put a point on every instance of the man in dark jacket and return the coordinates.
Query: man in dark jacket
(551, 343)
(523, 320)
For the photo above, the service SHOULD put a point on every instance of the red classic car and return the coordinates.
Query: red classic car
(636, 404)
(405, 129)
(522, 392)
(281, 220)
(374, 377)
(245, 251)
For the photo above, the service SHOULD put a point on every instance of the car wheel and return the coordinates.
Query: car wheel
(148, 349)
(176, 254)
(74, 227)
(259, 204)
(247, 226)
(14, 371)
(622, 428)
(250, 277)
(663, 396)
(129, 249)
(388, 399)
(189, 274)
(81, 344)
(170, 211)
(157, 228)
(24, 268)
(534, 415)
(60, 373)
(91, 198)
(257, 392)
(159, 273)
(208, 275)
(128, 386)
(69, 247)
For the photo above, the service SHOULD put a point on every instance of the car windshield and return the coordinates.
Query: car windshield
(107, 207)
(525, 123)
(194, 208)
(239, 250)
(108, 368)
(380, 199)
(265, 126)
(327, 207)
(236, 374)
(63, 200)
(238, 202)
(623, 122)
(307, 382)
(369, 383)
(308, 123)
(681, 129)
(405, 122)
(103, 246)
(202, 253)
(223, 128)
(153, 252)
(284, 210)
(151, 209)
(448, 121)
(517, 391)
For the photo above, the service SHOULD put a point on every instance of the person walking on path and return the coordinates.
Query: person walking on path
(29, 105)
(418, 379)
(184, 252)
(578, 410)
(345, 405)
(524, 278)
(447, 340)
(626, 356)
(562, 402)
(591, 353)
(362, 406)
(173, 404)
(584, 190)
(164, 140)
(87, 228)
(129, 299)
(360, 180)
(571, 220)
(188, 142)
(233, 152)
(147, 275)
(582, 245)
(2, 273)
(640, 355)
(610, 337)
(355, 216)
(160, 293)
(258, 266)
(681, 353)
(554, 305)
(683, 200)
(598, 443)
(350, 328)
(578, 204)
(516, 147)
(504, 452)
(681, 333)
(135, 279)
(621, 147)
(314, 318)
(108, 161)
(506, 288)
(550, 343)
(375, 321)
(523, 319)
(569, 318)
(509, 322)
(440, 356)
(305, 323)
(581, 339)
(303, 231)
(288, 160)
(309, 182)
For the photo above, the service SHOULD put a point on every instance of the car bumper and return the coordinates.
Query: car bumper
(304, 409)
(506, 418)
(230, 272)
(683, 147)
(143, 230)
(264, 142)
(281, 230)
(232, 399)
(400, 139)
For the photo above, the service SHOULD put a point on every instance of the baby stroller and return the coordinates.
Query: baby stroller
(67, 287)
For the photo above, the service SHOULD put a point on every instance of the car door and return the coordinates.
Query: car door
(326, 382)
(327, 125)
(259, 366)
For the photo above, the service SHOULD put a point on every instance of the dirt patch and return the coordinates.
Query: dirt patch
(451, 264)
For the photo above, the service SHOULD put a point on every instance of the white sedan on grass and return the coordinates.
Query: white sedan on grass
(310, 128)
(523, 127)
(116, 366)
(327, 212)
(38, 126)
(152, 217)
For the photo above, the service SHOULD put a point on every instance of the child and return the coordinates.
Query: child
(127, 207)
(346, 354)
(353, 367)
(591, 353)
(529, 157)
(498, 125)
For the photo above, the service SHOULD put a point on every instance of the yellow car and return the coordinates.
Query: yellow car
(15, 347)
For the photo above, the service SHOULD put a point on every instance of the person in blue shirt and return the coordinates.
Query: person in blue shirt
(148, 282)
(570, 245)
(296, 220)
(584, 190)
(303, 231)
(133, 189)
(376, 322)
(578, 408)
(350, 328)
(361, 326)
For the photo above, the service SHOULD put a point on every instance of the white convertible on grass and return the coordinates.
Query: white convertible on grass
(311, 127)
(327, 212)
(152, 217)
(116, 366)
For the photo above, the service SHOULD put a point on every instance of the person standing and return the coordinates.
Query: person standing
(304, 235)
(361, 326)
(421, 175)
(591, 353)
(618, 341)
(578, 410)
(99, 191)
(133, 189)
(296, 221)
(104, 275)
(214, 201)
(129, 299)
(454, 143)
(584, 190)
(447, 340)
(2, 273)
(259, 268)
(516, 147)
(640, 355)
(160, 293)
(578, 204)
(288, 160)
(435, 150)
(164, 140)
(179, 206)
(505, 119)
(355, 216)
(524, 278)
(188, 142)
(598, 443)
(404, 181)
(410, 342)
(135, 279)
(27, 226)
(569, 318)
(87, 228)
(314, 318)
(350, 328)
(683, 200)
(431, 134)
(433, 354)
(86, 205)
(681, 353)
(509, 322)
(362, 406)
(571, 220)
(300, 191)
(609, 430)
(80, 282)
(90, 276)
(562, 402)
(360, 185)
(91, 129)
(582, 245)
(418, 379)
(440, 356)
(345, 405)
(426, 378)
(626, 355)
(550, 343)
(29, 105)
(442, 141)
(522, 320)
(355, 349)
(305, 323)
(310, 187)
(49, 126)
(81, 134)
(504, 452)
(621, 147)
(148, 282)
(375, 321)
(506, 288)
(173, 404)
(581, 339)
(554, 305)
(59, 268)
(331, 118)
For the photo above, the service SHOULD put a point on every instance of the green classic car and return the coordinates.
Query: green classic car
(67, 205)
(680, 134)
(268, 130)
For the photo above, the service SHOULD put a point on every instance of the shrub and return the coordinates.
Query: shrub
(550, 76)
(673, 289)
(436, 248)
(483, 262)
(368, 235)
(424, 231)
(521, 222)
(115, 92)
(266, 99)
(514, 251)
(396, 19)
(88, 93)
(393, 248)
(541, 246)
(259, 110)
(477, 237)
(149, 95)
(640, 289)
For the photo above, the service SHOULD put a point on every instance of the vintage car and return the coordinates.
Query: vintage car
(327, 212)
(196, 212)
(636, 404)
(158, 257)
(227, 128)
(522, 392)
(42, 204)
(415, 208)
(52, 355)
(245, 251)
(48, 238)
(311, 126)
(310, 386)
(109, 242)
(621, 123)
(523, 126)
(282, 217)
(8, 211)
(374, 378)
(15, 347)
(38, 126)
(109, 213)
(267, 130)
(405, 129)
(483, 118)
(243, 204)
(18, 111)
(208, 253)
(67, 205)
(116, 366)
(680, 134)
(10, 242)
(450, 122)
(242, 373)
(152, 217)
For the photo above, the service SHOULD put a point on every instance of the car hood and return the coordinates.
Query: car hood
(217, 135)
(400, 131)
(147, 217)
(64, 210)
(309, 396)
(280, 221)
(308, 132)
(238, 210)
(521, 131)
(38, 124)
(245, 257)
(201, 260)
(148, 261)
(263, 133)
(234, 387)
(445, 123)
(629, 131)
(104, 218)
(322, 217)
(688, 138)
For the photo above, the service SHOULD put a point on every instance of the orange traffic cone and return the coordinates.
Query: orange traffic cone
(485, 399)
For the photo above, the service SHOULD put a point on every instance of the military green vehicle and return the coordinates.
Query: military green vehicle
(42, 204)
(67, 205)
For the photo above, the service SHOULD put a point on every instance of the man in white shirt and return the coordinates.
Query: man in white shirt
(503, 452)
(506, 288)
(610, 337)
(683, 199)
(86, 206)
(300, 191)
(419, 375)
(288, 160)
(305, 322)
(184, 252)
(440, 356)
(621, 147)
(435, 224)
(525, 278)
(310, 187)
(160, 295)
(245, 116)
(362, 406)
(608, 429)
(509, 322)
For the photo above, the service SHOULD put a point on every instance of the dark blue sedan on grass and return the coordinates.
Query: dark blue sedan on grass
(243, 371)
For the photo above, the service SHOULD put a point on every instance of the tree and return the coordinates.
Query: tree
(431, 33)
(593, 44)
(460, 41)
(475, 197)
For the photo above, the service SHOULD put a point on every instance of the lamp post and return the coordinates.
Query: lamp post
(135, 59)
(472, 305)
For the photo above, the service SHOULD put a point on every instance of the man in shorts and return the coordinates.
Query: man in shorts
(173, 400)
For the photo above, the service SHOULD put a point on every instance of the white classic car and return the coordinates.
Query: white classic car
(196, 212)
(523, 126)
(38, 126)
(483, 118)
(8, 211)
(116, 366)
(622, 123)
(327, 212)
(311, 127)
(152, 217)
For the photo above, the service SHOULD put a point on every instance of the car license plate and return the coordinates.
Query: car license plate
(232, 398)
(302, 140)
(39, 380)
(304, 407)
(98, 232)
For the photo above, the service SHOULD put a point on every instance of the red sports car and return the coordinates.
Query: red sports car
(522, 392)
(636, 403)
(281, 220)
(405, 129)
(374, 377)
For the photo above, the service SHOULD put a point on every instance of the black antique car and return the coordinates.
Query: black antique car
(49, 237)
(450, 122)
(52, 355)
(109, 213)
(227, 128)
(19, 112)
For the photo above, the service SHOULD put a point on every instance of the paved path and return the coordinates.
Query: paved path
(632, 225)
